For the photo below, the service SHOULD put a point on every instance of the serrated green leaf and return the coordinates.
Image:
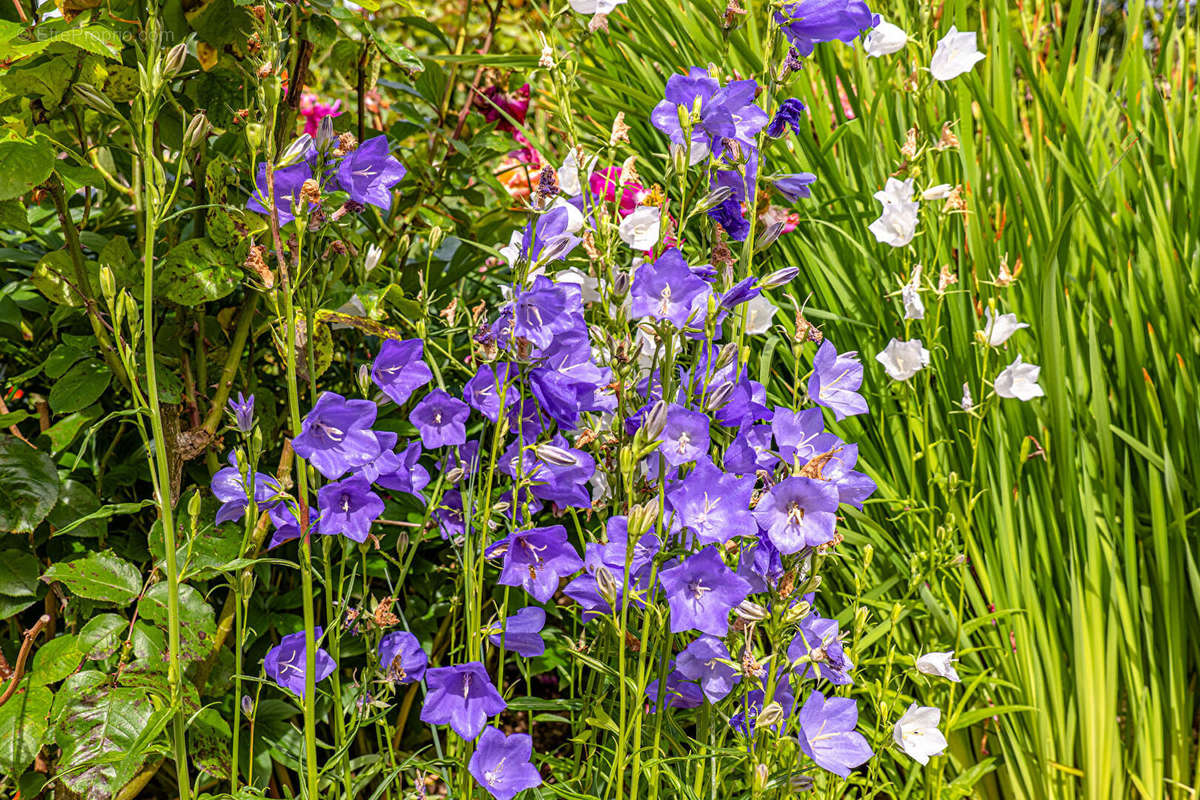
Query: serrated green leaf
(98, 576)
(55, 660)
(29, 485)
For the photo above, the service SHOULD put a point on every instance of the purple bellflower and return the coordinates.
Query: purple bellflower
(797, 513)
(610, 557)
(229, 486)
(788, 115)
(522, 632)
(668, 289)
(462, 697)
(548, 234)
(285, 662)
(703, 661)
(243, 412)
(684, 437)
(501, 764)
(746, 719)
(809, 22)
(287, 189)
(701, 592)
(835, 381)
(491, 389)
(723, 113)
(536, 559)
(827, 734)
(714, 505)
(336, 435)
(369, 172)
(679, 692)
(409, 476)
(286, 519)
(402, 658)
(399, 369)
(729, 216)
(440, 419)
(348, 507)
(819, 643)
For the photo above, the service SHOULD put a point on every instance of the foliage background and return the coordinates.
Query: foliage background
(1076, 607)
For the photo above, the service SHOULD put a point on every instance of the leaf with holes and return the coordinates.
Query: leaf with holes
(196, 272)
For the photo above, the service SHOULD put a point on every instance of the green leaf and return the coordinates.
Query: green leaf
(396, 53)
(97, 733)
(28, 486)
(55, 660)
(195, 272)
(53, 275)
(98, 576)
(102, 635)
(198, 623)
(23, 725)
(82, 385)
(61, 358)
(78, 511)
(18, 581)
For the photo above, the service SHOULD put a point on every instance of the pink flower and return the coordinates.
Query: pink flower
(604, 185)
(313, 111)
(515, 105)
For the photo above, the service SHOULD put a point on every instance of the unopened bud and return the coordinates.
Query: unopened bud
(94, 99)
(679, 158)
(771, 715)
(374, 254)
(295, 151)
(726, 355)
(620, 284)
(719, 398)
(364, 380)
(247, 706)
(779, 277)
(325, 134)
(714, 199)
(455, 475)
(197, 131)
(556, 248)
(108, 283)
(558, 456)
(797, 613)
(641, 519)
(768, 236)
(800, 782)
(194, 506)
(173, 62)
(606, 584)
(868, 553)
(656, 420)
(750, 610)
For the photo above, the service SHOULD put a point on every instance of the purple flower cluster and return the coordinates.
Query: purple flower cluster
(366, 174)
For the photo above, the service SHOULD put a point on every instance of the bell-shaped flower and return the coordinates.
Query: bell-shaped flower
(501, 763)
(521, 632)
(828, 736)
(536, 559)
(701, 591)
(400, 369)
(462, 697)
(917, 734)
(348, 507)
(956, 54)
(902, 360)
(336, 436)
(1019, 381)
(401, 657)
(286, 663)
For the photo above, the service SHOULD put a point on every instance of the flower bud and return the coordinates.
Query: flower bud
(295, 151)
(94, 99)
(656, 420)
(606, 584)
(771, 715)
(713, 199)
(364, 380)
(325, 134)
(247, 707)
(750, 610)
(641, 519)
(558, 456)
(796, 613)
(799, 782)
(108, 284)
(779, 277)
(197, 131)
(374, 254)
(620, 284)
(868, 553)
(173, 61)
(554, 249)
(726, 355)
(719, 398)
(679, 158)
(768, 236)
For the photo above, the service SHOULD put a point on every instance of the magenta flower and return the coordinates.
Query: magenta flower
(797, 513)
(336, 435)
(313, 111)
(402, 658)
(462, 697)
(701, 592)
(835, 381)
(286, 662)
(440, 419)
(668, 289)
(348, 507)
(501, 764)
(536, 559)
(827, 734)
(369, 172)
(399, 369)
